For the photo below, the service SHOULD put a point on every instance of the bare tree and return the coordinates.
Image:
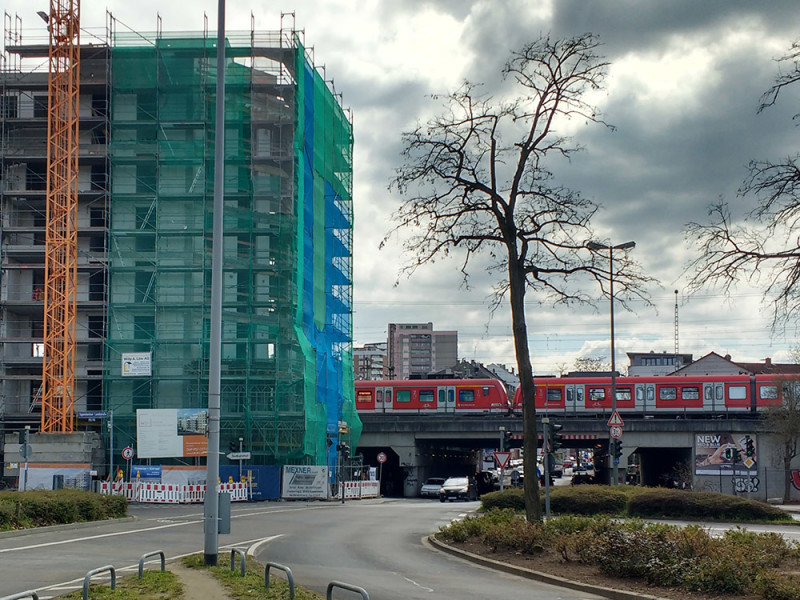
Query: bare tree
(591, 364)
(764, 247)
(474, 181)
(783, 422)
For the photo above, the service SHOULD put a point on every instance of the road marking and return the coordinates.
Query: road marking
(95, 537)
(251, 551)
(422, 587)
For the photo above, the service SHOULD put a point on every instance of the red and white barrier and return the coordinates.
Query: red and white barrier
(361, 489)
(170, 493)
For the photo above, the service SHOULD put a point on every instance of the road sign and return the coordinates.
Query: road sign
(92, 414)
(616, 431)
(381, 457)
(127, 453)
(615, 419)
(238, 455)
(25, 451)
(502, 458)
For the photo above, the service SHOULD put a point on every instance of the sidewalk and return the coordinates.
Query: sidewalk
(198, 584)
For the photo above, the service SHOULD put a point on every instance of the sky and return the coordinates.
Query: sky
(682, 92)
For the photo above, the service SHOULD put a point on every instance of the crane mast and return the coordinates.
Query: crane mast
(61, 244)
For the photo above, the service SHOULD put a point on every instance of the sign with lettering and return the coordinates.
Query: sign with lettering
(304, 481)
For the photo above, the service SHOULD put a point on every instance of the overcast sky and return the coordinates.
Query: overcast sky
(683, 88)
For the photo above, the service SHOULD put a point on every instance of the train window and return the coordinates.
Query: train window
(709, 392)
(426, 396)
(553, 395)
(388, 397)
(486, 390)
(639, 393)
(378, 395)
(402, 396)
(623, 393)
(441, 397)
(737, 392)
(597, 394)
(466, 395)
(718, 392)
(364, 396)
(579, 392)
(570, 395)
(651, 394)
(690, 393)
(667, 393)
(768, 392)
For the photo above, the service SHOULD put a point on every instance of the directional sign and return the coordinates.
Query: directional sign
(238, 455)
(616, 431)
(615, 419)
(502, 458)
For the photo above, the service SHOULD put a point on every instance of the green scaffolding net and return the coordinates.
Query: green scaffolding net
(286, 327)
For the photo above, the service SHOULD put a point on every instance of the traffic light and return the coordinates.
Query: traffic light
(616, 448)
(556, 437)
(344, 449)
(507, 436)
(749, 446)
(233, 446)
(737, 456)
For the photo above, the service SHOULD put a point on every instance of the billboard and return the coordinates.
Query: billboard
(171, 432)
(714, 453)
(304, 481)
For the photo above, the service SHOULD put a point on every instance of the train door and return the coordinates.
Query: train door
(571, 399)
(641, 405)
(447, 398)
(385, 394)
(648, 391)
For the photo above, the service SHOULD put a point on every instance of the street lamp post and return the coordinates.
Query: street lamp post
(599, 246)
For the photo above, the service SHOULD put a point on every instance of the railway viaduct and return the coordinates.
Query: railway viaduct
(421, 446)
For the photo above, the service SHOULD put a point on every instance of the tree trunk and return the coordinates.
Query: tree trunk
(530, 435)
(787, 474)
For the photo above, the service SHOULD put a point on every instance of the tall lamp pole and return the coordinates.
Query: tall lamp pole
(599, 246)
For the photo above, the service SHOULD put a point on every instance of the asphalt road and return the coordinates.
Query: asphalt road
(375, 544)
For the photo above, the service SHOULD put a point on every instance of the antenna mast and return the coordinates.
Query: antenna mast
(676, 324)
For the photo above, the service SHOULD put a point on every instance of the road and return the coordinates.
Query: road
(375, 544)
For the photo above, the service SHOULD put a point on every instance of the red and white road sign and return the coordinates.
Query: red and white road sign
(502, 458)
(381, 457)
(615, 419)
(616, 431)
(127, 453)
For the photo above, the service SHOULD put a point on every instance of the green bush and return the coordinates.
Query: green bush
(513, 498)
(660, 502)
(42, 507)
(588, 500)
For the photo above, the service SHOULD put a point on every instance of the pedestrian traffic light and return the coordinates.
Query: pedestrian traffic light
(749, 446)
(556, 437)
(507, 437)
(616, 448)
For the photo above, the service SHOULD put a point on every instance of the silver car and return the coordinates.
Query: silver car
(431, 487)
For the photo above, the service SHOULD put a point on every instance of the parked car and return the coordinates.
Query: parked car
(431, 487)
(458, 488)
(558, 469)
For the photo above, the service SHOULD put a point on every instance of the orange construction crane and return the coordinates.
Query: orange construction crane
(61, 249)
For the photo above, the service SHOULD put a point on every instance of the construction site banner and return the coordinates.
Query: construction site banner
(136, 364)
(171, 432)
(304, 481)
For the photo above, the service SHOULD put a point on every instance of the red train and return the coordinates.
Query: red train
(432, 396)
(636, 396)
(655, 395)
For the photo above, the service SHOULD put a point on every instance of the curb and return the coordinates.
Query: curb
(538, 575)
(64, 527)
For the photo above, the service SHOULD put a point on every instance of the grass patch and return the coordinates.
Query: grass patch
(251, 586)
(154, 585)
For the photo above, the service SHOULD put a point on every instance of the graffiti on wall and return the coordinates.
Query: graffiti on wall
(746, 484)
(795, 478)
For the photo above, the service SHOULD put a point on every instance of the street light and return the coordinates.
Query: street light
(599, 246)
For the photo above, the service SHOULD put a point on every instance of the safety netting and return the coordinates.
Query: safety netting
(286, 386)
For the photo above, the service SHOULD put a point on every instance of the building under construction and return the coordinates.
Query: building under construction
(145, 187)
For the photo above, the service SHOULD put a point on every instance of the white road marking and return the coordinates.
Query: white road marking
(251, 551)
(422, 587)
